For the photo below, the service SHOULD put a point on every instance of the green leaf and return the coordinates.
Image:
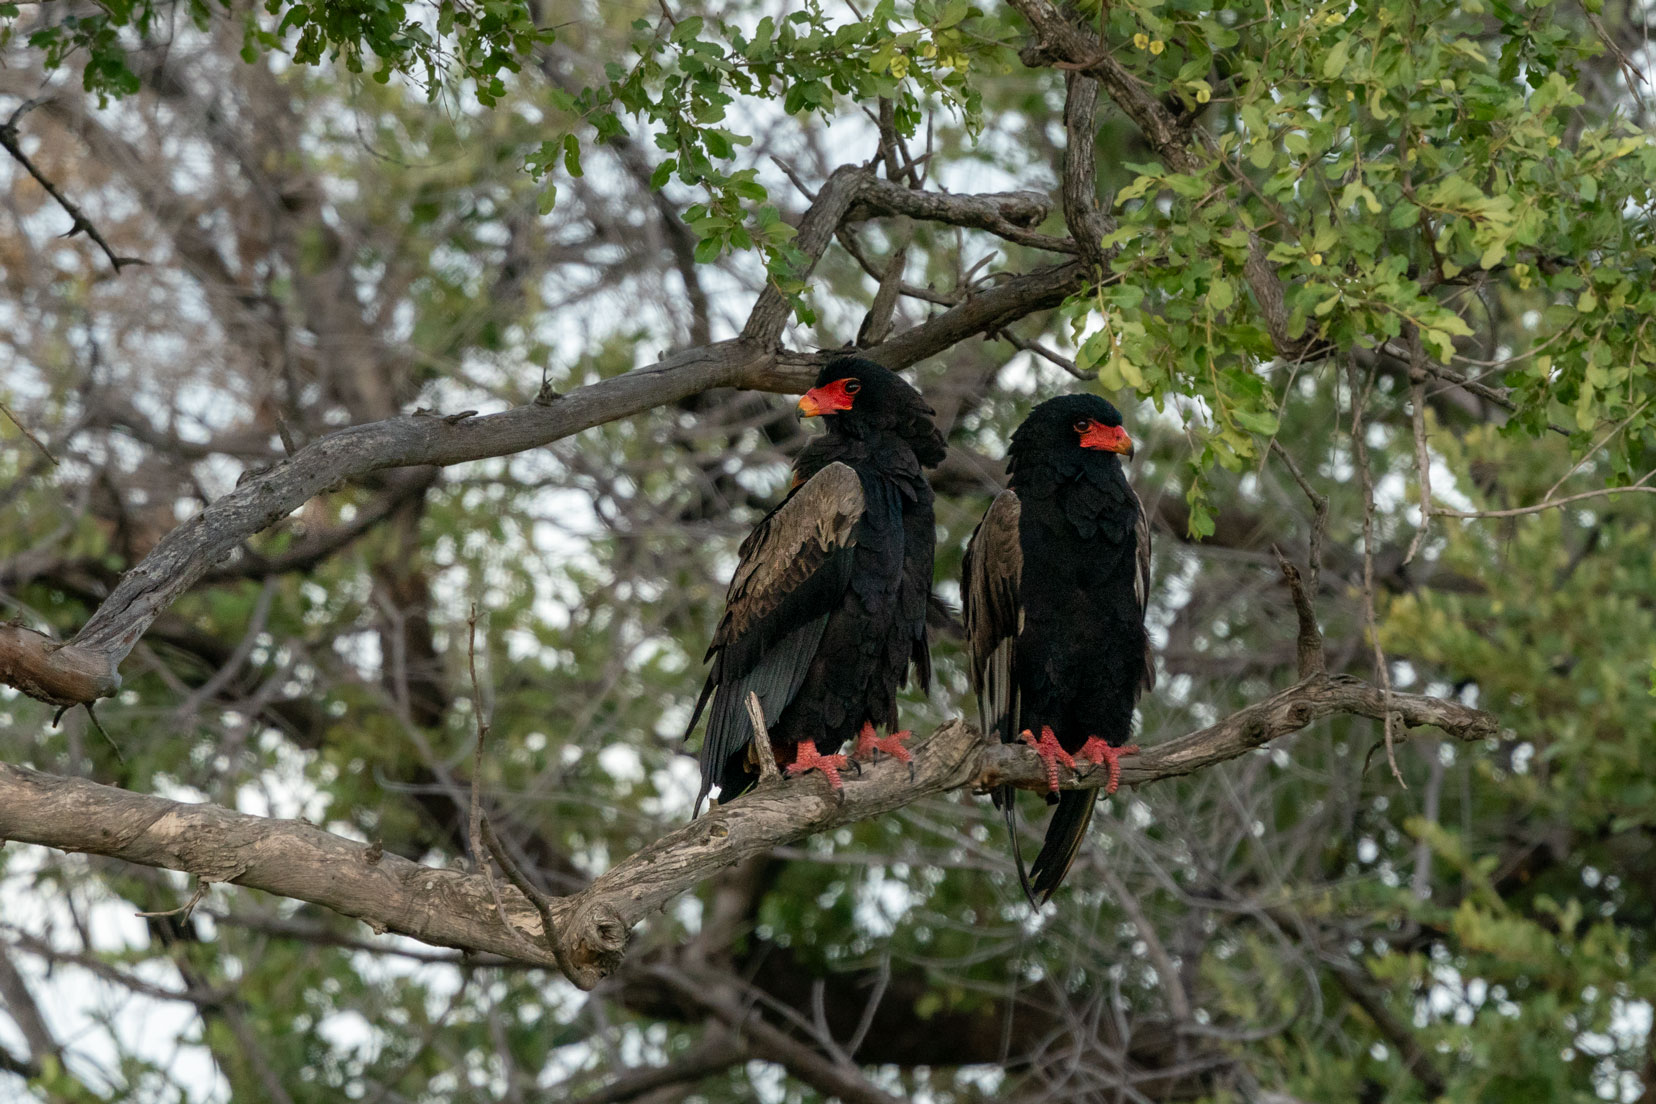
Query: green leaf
(1334, 64)
(1221, 295)
(1262, 422)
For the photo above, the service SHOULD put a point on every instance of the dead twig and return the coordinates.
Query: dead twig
(24, 430)
(1319, 524)
(1641, 487)
(1359, 448)
(762, 749)
(1423, 458)
(183, 911)
(1309, 643)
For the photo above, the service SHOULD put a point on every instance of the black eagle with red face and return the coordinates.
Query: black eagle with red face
(1054, 589)
(827, 608)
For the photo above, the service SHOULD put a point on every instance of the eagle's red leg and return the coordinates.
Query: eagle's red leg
(806, 758)
(1098, 751)
(1051, 753)
(869, 742)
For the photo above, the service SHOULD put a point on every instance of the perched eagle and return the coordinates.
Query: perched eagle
(827, 608)
(1054, 587)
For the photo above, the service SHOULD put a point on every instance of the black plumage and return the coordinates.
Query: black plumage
(827, 608)
(1054, 589)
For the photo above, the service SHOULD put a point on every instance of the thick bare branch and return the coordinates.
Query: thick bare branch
(86, 668)
(452, 908)
(1010, 215)
(46, 669)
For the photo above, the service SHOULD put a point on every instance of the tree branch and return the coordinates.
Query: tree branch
(86, 668)
(452, 908)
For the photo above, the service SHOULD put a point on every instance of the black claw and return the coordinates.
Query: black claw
(853, 762)
(911, 771)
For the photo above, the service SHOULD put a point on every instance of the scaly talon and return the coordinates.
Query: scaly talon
(806, 758)
(869, 745)
(1051, 753)
(1097, 751)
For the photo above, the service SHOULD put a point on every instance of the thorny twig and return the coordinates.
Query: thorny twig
(1641, 487)
(81, 224)
(1319, 524)
(1609, 436)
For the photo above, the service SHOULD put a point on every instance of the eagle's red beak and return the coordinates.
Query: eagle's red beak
(1107, 439)
(830, 398)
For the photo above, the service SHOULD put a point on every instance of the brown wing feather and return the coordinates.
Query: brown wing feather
(993, 612)
(793, 570)
(789, 547)
(1141, 588)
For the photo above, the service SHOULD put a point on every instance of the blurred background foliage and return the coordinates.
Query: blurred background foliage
(352, 210)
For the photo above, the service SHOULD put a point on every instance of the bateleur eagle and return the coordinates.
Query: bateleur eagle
(827, 608)
(1055, 581)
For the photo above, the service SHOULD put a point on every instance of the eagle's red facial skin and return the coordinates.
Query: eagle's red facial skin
(1107, 439)
(830, 398)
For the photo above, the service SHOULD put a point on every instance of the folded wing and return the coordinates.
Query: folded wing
(993, 614)
(794, 570)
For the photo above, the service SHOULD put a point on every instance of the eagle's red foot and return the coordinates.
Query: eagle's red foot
(1051, 753)
(1097, 751)
(806, 758)
(869, 742)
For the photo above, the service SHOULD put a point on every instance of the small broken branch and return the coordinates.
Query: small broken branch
(761, 742)
(1319, 523)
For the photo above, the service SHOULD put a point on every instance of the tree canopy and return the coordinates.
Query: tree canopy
(375, 444)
